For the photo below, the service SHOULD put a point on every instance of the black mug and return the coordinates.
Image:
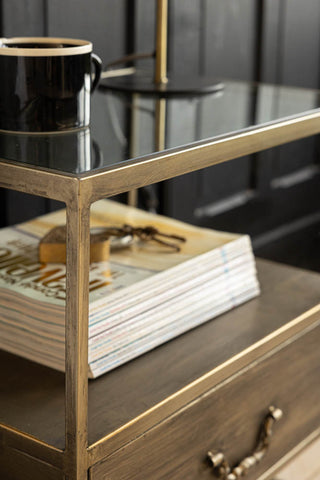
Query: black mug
(45, 83)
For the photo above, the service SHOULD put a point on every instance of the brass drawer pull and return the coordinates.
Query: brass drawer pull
(221, 465)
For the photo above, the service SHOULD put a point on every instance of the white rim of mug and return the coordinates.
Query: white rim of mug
(76, 47)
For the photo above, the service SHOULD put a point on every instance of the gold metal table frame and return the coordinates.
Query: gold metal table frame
(79, 192)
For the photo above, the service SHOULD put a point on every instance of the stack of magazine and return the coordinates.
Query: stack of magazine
(145, 295)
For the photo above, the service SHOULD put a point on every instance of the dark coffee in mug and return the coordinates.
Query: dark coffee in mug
(46, 83)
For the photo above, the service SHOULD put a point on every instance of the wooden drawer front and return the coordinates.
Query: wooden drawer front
(15, 465)
(228, 419)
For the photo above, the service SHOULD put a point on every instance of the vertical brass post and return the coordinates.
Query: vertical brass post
(160, 77)
(132, 198)
(76, 396)
(160, 124)
(161, 42)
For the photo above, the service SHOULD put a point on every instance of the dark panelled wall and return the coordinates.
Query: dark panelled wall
(289, 46)
(273, 195)
(224, 44)
(266, 195)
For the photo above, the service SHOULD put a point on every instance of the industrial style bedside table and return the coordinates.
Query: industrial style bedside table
(209, 390)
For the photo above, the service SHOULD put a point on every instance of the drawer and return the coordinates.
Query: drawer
(228, 419)
(15, 465)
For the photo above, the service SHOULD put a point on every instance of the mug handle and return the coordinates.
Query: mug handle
(97, 62)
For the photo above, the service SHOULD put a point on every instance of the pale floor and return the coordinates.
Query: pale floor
(306, 466)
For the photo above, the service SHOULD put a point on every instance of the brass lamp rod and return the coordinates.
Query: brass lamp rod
(161, 42)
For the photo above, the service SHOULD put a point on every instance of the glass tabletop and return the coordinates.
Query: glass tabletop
(129, 126)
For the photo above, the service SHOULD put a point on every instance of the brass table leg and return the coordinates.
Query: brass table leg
(76, 457)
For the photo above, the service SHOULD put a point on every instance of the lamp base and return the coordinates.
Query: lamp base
(145, 84)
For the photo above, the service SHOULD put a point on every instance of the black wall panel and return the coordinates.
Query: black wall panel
(223, 46)
(100, 21)
(229, 38)
(300, 43)
(144, 25)
(24, 18)
(185, 30)
(298, 65)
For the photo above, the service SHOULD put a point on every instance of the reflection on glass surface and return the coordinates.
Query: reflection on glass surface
(74, 151)
(126, 126)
